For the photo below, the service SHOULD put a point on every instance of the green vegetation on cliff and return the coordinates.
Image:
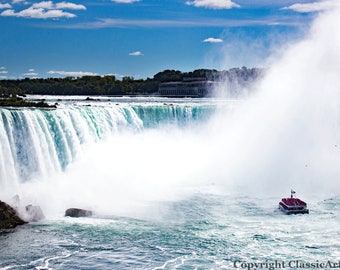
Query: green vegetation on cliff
(15, 101)
(109, 85)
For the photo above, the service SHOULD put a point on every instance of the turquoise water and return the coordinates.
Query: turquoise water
(201, 232)
(174, 184)
(36, 141)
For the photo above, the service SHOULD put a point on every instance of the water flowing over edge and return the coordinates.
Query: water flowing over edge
(38, 143)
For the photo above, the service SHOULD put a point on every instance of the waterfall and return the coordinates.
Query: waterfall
(40, 142)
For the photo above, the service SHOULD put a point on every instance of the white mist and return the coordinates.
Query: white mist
(288, 134)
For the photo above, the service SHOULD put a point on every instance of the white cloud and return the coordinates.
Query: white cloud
(213, 40)
(44, 5)
(71, 73)
(3, 74)
(213, 4)
(45, 10)
(137, 53)
(66, 5)
(60, 5)
(3, 71)
(18, 1)
(313, 7)
(30, 74)
(125, 1)
(38, 13)
(3, 6)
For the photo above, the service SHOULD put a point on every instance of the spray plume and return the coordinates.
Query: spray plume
(288, 133)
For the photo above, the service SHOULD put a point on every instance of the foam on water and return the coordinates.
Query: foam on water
(203, 231)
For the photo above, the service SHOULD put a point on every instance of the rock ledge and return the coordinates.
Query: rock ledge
(9, 218)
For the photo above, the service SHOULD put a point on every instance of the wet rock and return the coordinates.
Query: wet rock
(8, 217)
(30, 213)
(77, 212)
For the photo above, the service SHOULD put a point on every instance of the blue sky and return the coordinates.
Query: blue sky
(141, 38)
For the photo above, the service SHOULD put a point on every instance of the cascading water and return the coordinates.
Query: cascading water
(37, 144)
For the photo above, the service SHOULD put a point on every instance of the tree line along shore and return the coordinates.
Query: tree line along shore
(109, 85)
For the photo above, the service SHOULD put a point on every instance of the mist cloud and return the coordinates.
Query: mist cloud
(287, 134)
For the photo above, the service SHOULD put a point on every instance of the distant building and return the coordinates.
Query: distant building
(189, 87)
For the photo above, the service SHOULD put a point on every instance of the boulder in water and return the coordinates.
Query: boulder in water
(77, 212)
(9, 218)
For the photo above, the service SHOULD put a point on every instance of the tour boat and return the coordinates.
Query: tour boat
(293, 205)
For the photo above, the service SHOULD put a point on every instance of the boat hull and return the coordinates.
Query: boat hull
(292, 210)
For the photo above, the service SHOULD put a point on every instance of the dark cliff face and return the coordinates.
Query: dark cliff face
(8, 217)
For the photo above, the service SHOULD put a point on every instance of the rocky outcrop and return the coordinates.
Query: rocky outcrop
(29, 213)
(8, 217)
(77, 212)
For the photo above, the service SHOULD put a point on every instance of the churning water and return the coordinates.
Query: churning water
(182, 183)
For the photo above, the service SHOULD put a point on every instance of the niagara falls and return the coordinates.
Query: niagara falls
(180, 178)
